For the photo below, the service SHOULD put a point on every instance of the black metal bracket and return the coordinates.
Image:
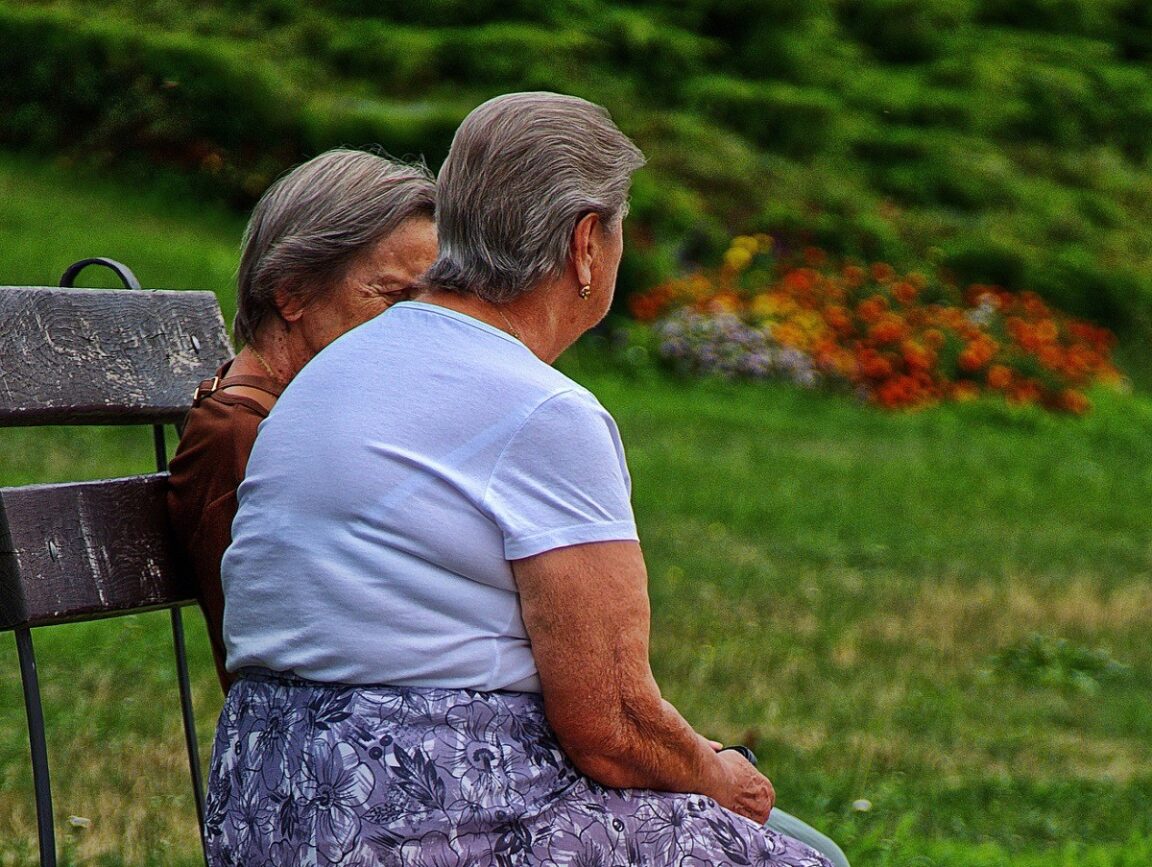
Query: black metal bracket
(68, 278)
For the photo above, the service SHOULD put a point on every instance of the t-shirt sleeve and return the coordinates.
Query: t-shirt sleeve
(562, 480)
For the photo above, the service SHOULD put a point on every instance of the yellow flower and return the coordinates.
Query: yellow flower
(737, 258)
(772, 305)
(809, 320)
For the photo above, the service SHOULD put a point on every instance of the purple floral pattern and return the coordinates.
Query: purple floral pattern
(314, 774)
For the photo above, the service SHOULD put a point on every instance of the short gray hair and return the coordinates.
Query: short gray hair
(523, 169)
(311, 224)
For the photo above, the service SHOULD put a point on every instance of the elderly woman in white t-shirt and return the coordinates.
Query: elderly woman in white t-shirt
(435, 600)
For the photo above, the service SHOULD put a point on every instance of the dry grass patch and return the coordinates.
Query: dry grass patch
(956, 618)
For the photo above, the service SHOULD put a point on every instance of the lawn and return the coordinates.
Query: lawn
(940, 617)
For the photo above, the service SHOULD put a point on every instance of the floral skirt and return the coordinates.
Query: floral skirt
(317, 774)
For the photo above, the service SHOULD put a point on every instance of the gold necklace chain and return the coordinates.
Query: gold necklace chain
(263, 363)
(511, 328)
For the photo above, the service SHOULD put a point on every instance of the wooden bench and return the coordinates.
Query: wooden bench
(88, 550)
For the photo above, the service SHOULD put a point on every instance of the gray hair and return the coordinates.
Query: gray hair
(523, 169)
(311, 224)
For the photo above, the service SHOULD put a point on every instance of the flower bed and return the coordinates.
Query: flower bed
(898, 340)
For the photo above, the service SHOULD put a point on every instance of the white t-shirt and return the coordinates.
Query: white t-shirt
(389, 487)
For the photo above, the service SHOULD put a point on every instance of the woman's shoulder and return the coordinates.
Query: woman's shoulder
(219, 432)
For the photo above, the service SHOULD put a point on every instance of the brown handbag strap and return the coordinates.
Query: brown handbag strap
(209, 387)
(257, 382)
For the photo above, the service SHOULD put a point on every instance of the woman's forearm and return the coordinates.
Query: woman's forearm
(646, 745)
(586, 611)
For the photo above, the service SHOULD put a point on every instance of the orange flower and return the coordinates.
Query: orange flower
(885, 340)
(789, 334)
(721, 302)
(646, 307)
(871, 309)
(905, 293)
(1024, 391)
(964, 390)
(838, 318)
(799, 281)
(916, 356)
(890, 328)
(873, 365)
(1073, 401)
(999, 377)
(853, 276)
(882, 272)
(977, 354)
(934, 338)
(1046, 330)
(1051, 357)
(900, 392)
(814, 257)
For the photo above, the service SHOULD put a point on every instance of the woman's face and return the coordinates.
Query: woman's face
(375, 280)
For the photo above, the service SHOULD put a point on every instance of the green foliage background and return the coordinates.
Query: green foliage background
(1003, 140)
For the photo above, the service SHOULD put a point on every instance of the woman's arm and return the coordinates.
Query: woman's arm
(586, 611)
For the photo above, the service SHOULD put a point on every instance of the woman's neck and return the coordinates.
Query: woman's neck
(529, 318)
(273, 354)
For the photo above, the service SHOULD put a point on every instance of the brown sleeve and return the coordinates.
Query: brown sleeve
(205, 472)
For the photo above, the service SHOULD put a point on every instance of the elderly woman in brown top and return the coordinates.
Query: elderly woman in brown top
(329, 246)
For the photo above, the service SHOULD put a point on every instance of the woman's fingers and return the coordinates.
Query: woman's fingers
(750, 792)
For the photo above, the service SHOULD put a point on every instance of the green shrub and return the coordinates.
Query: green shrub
(400, 59)
(903, 97)
(889, 129)
(1072, 278)
(1127, 91)
(1134, 29)
(415, 130)
(465, 13)
(1041, 660)
(984, 260)
(1082, 17)
(660, 55)
(99, 88)
(733, 20)
(493, 55)
(904, 31)
(1063, 107)
(784, 39)
(780, 117)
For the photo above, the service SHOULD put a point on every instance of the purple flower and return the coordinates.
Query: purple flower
(266, 744)
(724, 345)
(334, 786)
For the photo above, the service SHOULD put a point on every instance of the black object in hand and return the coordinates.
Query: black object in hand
(745, 752)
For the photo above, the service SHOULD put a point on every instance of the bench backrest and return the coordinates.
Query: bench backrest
(105, 356)
(79, 551)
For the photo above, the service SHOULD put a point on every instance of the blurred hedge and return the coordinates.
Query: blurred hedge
(1005, 140)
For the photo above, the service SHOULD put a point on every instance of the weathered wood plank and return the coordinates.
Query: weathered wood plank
(105, 356)
(86, 550)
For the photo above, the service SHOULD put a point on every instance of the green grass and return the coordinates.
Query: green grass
(836, 586)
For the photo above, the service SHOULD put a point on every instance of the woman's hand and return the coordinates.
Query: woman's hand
(749, 792)
(586, 611)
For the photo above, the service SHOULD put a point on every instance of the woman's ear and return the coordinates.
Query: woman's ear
(585, 247)
(288, 305)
